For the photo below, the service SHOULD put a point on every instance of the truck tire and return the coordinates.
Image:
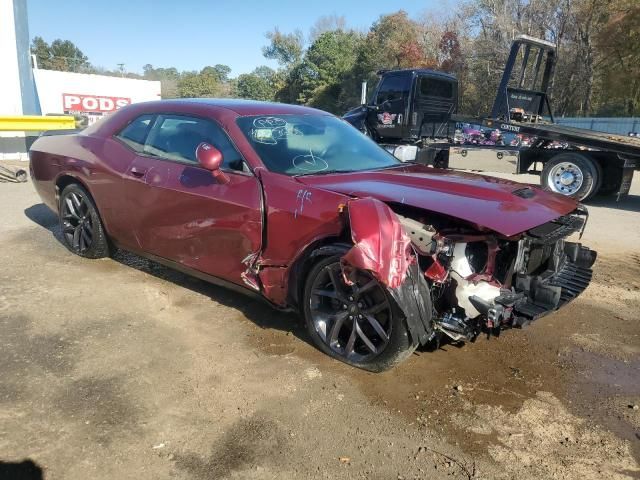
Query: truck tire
(573, 174)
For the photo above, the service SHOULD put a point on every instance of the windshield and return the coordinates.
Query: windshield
(312, 144)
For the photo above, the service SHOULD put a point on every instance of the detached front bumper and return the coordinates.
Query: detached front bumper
(567, 275)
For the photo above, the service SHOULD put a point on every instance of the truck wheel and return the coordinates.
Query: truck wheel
(572, 174)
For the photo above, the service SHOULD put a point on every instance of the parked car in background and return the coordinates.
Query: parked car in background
(297, 207)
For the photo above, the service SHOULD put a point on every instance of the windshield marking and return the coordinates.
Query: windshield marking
(310, 163)
(312, 145)
(269, 130)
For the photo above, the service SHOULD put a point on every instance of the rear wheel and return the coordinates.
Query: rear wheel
(82, 229)
(572, 174)
(358, 324)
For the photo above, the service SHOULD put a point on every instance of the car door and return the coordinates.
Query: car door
(182, 213)
(392, 99)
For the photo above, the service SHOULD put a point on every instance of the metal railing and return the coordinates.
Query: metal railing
(614, 125)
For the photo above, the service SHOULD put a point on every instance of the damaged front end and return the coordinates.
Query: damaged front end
(454, 280)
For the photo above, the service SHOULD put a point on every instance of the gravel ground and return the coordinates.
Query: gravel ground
(121, 368)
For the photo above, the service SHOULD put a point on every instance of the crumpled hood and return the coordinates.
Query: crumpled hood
(482, 200)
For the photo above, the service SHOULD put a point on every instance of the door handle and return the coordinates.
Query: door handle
(136, 172)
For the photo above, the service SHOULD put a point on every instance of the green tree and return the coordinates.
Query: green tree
(62, 55)
(393, 42)
(219, 72)
(42, 51)
(286, 49)
(325, 67)
(194, 84)
(68, 57)
(260, 84)
(168, 78)
(151, 73)
(618, 64)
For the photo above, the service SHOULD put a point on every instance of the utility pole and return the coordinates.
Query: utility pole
(17, 85)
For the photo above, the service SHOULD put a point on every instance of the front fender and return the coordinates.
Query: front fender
(382, 247)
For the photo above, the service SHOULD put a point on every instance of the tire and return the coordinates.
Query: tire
(324, 305)
(82, 229)
(572, 174)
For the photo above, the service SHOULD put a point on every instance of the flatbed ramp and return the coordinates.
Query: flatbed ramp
(554, 132)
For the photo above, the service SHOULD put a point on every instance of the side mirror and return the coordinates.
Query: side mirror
(210, 157)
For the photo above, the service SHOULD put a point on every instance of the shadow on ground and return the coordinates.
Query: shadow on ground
(25, 470)
(259, 312)
(630, 203)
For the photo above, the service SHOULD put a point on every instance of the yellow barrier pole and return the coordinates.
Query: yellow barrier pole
(36, 123)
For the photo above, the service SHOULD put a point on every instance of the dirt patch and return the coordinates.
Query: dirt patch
(26, 349)
(250, 442)
(544, 440)
(101, 406)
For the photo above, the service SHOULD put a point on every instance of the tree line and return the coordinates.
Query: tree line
(597, 41)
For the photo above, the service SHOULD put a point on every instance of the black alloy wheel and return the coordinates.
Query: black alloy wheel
(355, 323)
(81, 226)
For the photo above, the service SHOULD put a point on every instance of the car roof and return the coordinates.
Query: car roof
(422, 71)
(243, 107)
(228, 108)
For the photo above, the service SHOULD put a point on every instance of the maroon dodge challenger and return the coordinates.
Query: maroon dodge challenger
(299, 208)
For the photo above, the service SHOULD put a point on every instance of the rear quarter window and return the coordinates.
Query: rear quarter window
(135, 133)
(433, 87)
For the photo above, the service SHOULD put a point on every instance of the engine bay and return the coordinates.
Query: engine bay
(483, 282)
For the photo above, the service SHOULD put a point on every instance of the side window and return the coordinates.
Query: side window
(394, 88)
(136, 132)
(176, 137)
(432, 87)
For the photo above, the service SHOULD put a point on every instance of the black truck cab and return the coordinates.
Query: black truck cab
(407, 105)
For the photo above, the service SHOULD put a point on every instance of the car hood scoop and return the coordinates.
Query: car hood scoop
(506, 207)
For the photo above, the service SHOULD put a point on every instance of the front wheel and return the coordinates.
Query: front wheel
(358, 324)
(572, 174)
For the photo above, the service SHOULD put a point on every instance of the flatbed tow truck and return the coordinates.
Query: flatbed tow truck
(413, 113)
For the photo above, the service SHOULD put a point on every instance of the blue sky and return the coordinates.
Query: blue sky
(190, 34)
